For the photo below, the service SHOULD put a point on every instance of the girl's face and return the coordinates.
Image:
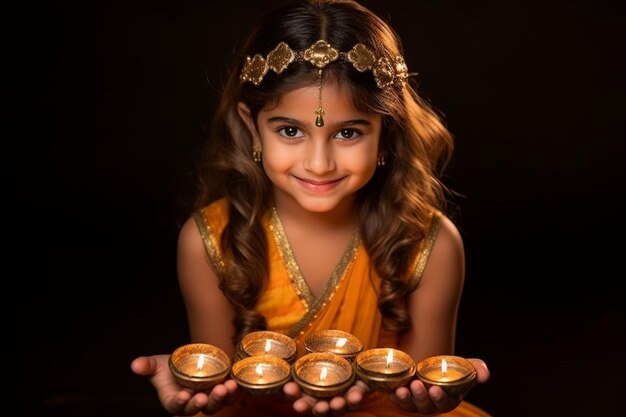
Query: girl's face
(319, 168)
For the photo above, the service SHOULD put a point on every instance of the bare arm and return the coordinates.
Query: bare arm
(434, 304)
(210, 321)
(209, 313)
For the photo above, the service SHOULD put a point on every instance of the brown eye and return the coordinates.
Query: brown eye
(290, 132)
(347, 133)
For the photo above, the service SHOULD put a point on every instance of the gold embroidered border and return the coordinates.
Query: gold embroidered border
(210, 243)
(427, 245)
(331, 286)
(293, 270)
(311, 303)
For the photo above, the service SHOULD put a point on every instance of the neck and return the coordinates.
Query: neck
(342, 216)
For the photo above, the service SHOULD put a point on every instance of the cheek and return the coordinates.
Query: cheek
(360, 159)
(277, 158)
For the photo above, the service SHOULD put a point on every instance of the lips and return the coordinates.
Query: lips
(318, 186)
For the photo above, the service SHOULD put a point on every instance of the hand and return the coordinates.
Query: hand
(177, 399)
(416, 398)
(336, 406)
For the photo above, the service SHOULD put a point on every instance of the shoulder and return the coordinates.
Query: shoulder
(212, 218)
(446, 262)
(195, 230)
(448, 240)
(441, 243)
(189, 238)
(442, 246)
(200, 234)
(194, 260)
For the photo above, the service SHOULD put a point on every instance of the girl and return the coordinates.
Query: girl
(320, 208)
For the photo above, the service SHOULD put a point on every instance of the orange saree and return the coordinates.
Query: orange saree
(348, 302)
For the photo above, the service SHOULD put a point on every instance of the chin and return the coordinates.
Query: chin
(320, 205)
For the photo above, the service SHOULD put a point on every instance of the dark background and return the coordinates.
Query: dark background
(107, 108)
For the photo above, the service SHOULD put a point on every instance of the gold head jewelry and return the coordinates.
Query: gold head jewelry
(387, 71)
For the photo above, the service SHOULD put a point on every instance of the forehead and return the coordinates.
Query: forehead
(336, 99)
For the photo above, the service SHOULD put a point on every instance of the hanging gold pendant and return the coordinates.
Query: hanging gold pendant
(319, 119)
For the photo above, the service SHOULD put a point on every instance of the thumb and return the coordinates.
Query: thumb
(482, 371)
(144, 365)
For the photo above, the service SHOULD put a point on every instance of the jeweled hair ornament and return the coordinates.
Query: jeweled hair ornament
(387, 71)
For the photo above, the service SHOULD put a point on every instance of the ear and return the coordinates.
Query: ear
(244, 113)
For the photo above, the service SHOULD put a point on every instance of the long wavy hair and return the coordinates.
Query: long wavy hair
(394, 208)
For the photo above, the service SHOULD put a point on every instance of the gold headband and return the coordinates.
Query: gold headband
(386, 71)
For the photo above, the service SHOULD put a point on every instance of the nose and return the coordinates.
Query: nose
(319, 158)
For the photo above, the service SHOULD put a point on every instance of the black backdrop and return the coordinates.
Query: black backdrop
(107, 106)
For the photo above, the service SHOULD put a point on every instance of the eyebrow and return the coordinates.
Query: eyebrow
(279, 119)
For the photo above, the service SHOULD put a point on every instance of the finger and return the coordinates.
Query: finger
(321, 408)
(183, 398)
(291, 391)
(216, 399)
(143, 366)
(199, 401)
(218, 393)
(304, 404)
(360, 386)
(188, 405)
(209, 403)
(337, 406)
(355, 395)
(443, 402)
(232, 391)
(421, 398)
(149, 365)
(231, 386)
(404, 400)
(482, 372)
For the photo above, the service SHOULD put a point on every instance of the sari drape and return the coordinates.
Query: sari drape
(348, 302)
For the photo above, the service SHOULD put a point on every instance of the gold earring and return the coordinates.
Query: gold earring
(380, 161)
(256, 155)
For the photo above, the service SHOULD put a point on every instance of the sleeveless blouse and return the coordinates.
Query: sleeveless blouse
(348, 302)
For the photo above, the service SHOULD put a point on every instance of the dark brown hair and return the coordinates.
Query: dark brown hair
(394, 208)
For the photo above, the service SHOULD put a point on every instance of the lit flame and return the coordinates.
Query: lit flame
(341, 342)
(268, 345)
(259, 370)
(323, 374)
(444, 366)
(389, 357)
(200, 363)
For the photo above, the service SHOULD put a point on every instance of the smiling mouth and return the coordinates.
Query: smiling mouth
(318, 185)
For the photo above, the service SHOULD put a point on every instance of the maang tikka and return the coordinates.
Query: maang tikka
(387, 72)
(319, 112)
